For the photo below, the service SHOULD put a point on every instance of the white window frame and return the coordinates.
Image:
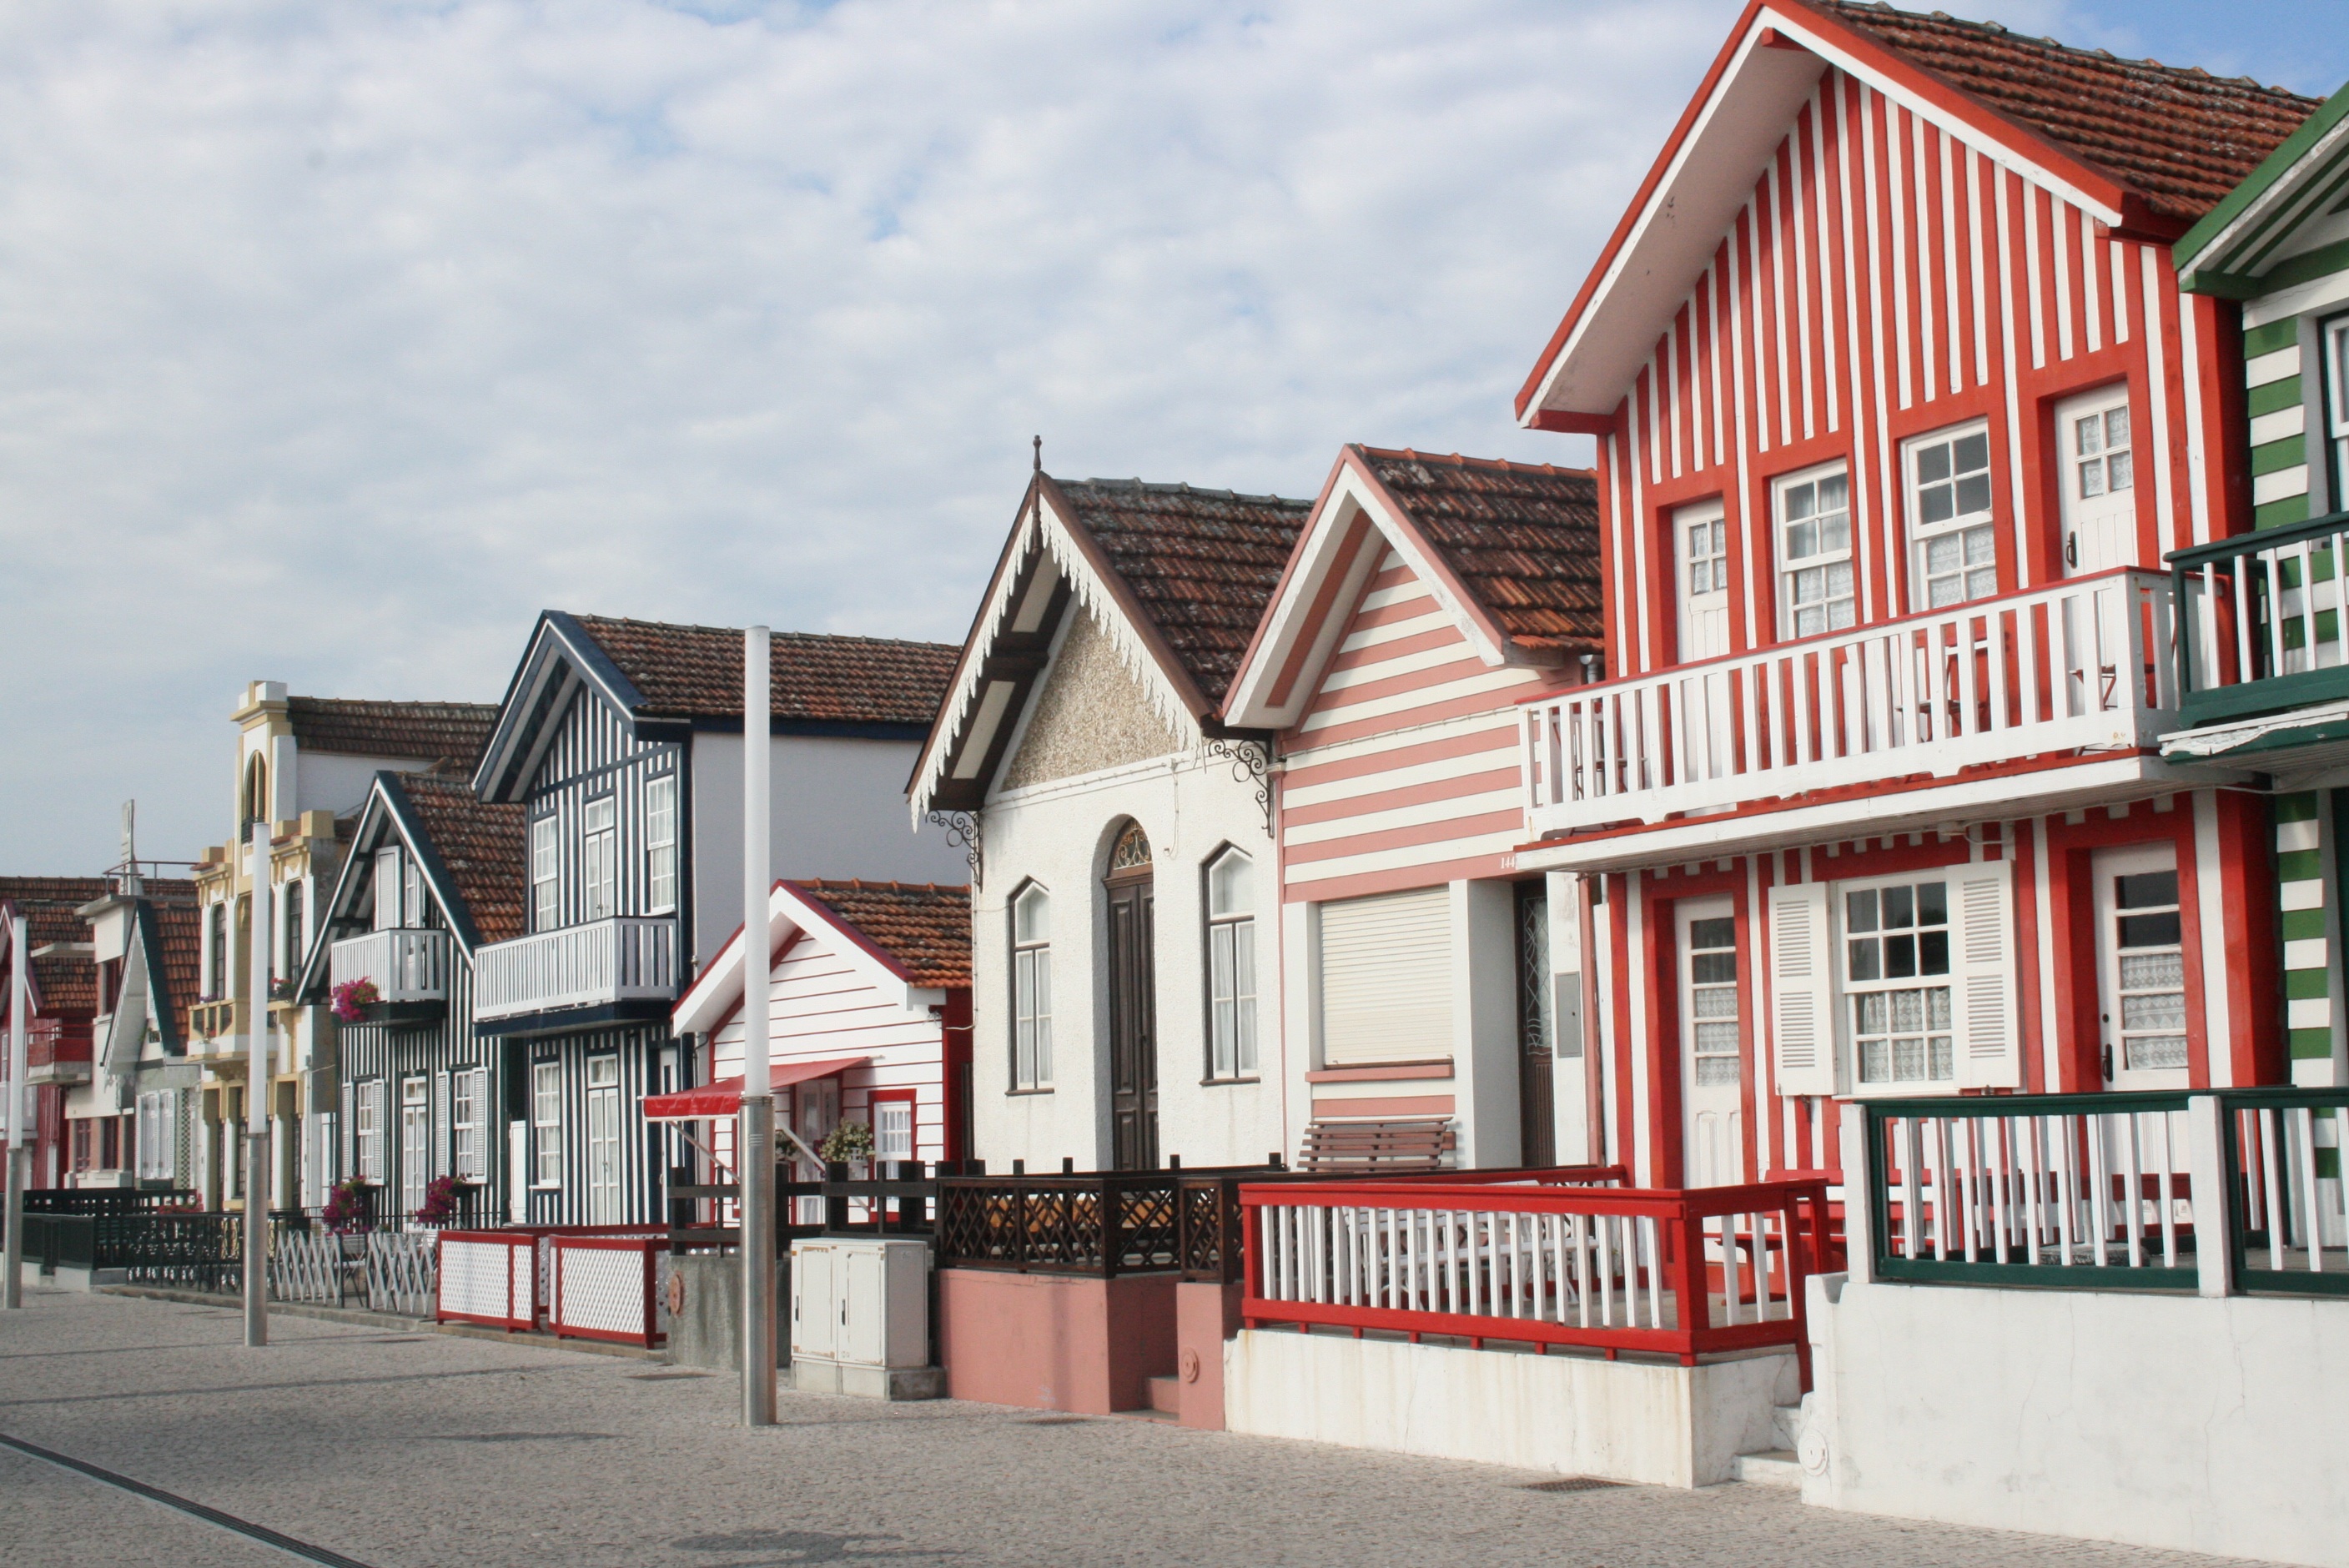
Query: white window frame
(1822, 558)
(660, 845)
(465, 1125)
(547, 1124)
(545, 873)
(887, 1141)
(599, 857)
(390, 881)
(2089, 460)
(367, 1129)
(1231, 970)
(1963, 524)
(2336, 403)
(1031, 990)
(1849, 990)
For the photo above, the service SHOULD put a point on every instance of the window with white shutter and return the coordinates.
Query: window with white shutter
(1982, 969)
(440, 1109)
(1386, 978)
(1802, 990)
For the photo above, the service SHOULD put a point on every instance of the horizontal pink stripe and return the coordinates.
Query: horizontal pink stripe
(1380, 652)
(1391, 576)
(1433, 1069)
(1409, 609)
(1501, 739)
(1396, 685)
(1396, 1105)
(1502, 700)
(1437, 833)
(1475, 868)
(1475, 783)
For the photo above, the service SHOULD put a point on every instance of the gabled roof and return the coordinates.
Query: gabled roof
(472, 854)
(169, 925)
(65, 984)
(1178, 577)
(668, 679)
(2236, 252)
(901, 936)
(1510, 549)
(447, 732)
(2147, 148)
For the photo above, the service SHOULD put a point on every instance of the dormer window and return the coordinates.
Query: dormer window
(599, 859)
(545, 868)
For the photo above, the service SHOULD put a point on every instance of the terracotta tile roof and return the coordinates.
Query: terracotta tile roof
(68, 982)
(1204, 563)
(924, 926)
(481, 845)
(453, 732)
(179, 923)
(2180, 138)
(696, 672)
(1522, 537)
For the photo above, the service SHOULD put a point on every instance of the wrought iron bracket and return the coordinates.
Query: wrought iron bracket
(1251, 762)
(962, 830)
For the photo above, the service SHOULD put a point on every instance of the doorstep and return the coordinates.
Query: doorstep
(362, 1319)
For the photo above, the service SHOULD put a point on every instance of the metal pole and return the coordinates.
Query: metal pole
(12, 1294)
(756, 1156)
(256, 1105)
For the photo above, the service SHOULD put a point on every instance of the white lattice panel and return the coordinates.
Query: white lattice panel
(473, 1278)
(521, 1262)
(602, 1289)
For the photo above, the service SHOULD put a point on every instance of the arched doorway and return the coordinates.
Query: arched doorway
(1132, 1005)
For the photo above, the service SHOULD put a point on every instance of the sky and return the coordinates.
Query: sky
(337, 342)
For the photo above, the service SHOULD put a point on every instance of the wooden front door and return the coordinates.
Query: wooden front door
(1537, 1029)
(1133, 1007)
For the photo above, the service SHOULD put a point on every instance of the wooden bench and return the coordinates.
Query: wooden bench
(1367, 1148)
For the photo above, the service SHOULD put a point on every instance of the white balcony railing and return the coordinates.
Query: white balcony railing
(2084, 665)
(628, 958)
(406, 965)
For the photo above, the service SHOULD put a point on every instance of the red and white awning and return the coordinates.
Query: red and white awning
(724, 1097)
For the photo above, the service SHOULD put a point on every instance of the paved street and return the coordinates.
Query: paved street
(420, 1449)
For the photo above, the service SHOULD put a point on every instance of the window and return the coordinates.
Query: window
(1712, 1001)
(892, 1127)
(599, 859)
(546, 863)
(295, 949)
(1231, 966)
(604, 1140)
(1815, 553)
(415, 1142)
(1031, 988)
(216, 954)
(412, 900)
(1896, 977)
(368, 1124)
(388, 884)
(465, 1123)
(660, 844)
(1949, 526)
(2151, 964)
(546, 1122)
(2100, 457)
(2336, 403)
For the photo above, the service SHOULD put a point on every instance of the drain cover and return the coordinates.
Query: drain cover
(662, 1376)
(1055, 1422)
(1570, 1483)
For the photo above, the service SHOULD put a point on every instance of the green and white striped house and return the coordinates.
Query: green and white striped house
(2265, 674)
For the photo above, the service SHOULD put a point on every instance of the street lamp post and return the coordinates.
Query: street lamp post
(756, 1154)
(20, 992)
(256, 1104)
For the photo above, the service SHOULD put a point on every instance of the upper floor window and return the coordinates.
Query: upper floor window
(216, 953)
(1231, 966)
(546, 865)
(295, 949)
(599, 859)
(1816, 584)
(389, 882)
(2336, 402)
(1955, 547)
(1031, 988)
(2101, 462)
(546, 1123)
(1896, 977)
(660, 844)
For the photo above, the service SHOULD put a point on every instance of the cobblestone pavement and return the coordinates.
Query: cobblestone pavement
(427, 1450)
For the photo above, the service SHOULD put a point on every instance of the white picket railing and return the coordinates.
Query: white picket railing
(626, 958)
(2084, 664)
(2263, 605)
(407, 965)
(2289, 1155)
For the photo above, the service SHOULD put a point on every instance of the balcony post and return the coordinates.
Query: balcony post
(2213, 1195)
(1863, 1174)
(12, 1251)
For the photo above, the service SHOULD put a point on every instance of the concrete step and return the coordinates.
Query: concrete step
(1166, 1395)
(1779, 1467)
(1786, 1425)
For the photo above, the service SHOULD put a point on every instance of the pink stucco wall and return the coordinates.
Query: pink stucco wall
(1055, 1342)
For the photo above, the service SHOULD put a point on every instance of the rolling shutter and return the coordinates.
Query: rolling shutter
(1386, 978)
(1801, 989)
(1982, 976)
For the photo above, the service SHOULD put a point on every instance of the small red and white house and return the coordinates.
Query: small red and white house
(868, 998)
(1898, 409)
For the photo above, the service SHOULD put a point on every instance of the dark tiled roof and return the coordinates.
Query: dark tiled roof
(179, 922)
(1203, 563)
(451, 732)
(696, 672)
(1522, 537)
(68, 982)
(481, 845)
(2181, 138)
(925, 927)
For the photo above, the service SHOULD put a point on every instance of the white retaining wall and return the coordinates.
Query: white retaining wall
(1573, 1415)
(2201, 1424)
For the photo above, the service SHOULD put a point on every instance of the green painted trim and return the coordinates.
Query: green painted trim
(2304, 925)
(2298, 806)
(2272, 396)
(2311, 1045)
(2314, 199)
(2259, 341)
(2277, 693)
(2189, 250)
(2288, 273)
(2078, 1276)
(2305, 984)
(2274, 457)
(2299, 865)
(2264, 1282)
(2286, 512)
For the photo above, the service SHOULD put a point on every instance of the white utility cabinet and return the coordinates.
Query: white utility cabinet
(861, 1318)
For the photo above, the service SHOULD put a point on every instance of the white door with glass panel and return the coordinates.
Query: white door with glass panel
(415, 1142)
(2141, 967)
(604, 1140)
(2098, 482)
(1712, 1092)
(1703, 535)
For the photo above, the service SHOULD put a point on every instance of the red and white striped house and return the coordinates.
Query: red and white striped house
(1897, 409)
(1427, 597)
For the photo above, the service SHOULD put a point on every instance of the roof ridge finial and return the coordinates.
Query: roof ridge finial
(1039, 455)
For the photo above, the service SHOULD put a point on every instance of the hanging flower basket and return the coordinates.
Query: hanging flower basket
(348, 1208)
(850, 1143)
(440, 1202)
(352, 999)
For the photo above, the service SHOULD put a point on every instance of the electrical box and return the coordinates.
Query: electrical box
(861, 1318)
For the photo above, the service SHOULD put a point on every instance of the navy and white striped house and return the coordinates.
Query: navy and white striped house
(622, 741)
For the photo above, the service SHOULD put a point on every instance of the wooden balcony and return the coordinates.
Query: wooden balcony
(2039, 701)
(602, 964)
(56, 1054)
(2264, 661)
(410, 969)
